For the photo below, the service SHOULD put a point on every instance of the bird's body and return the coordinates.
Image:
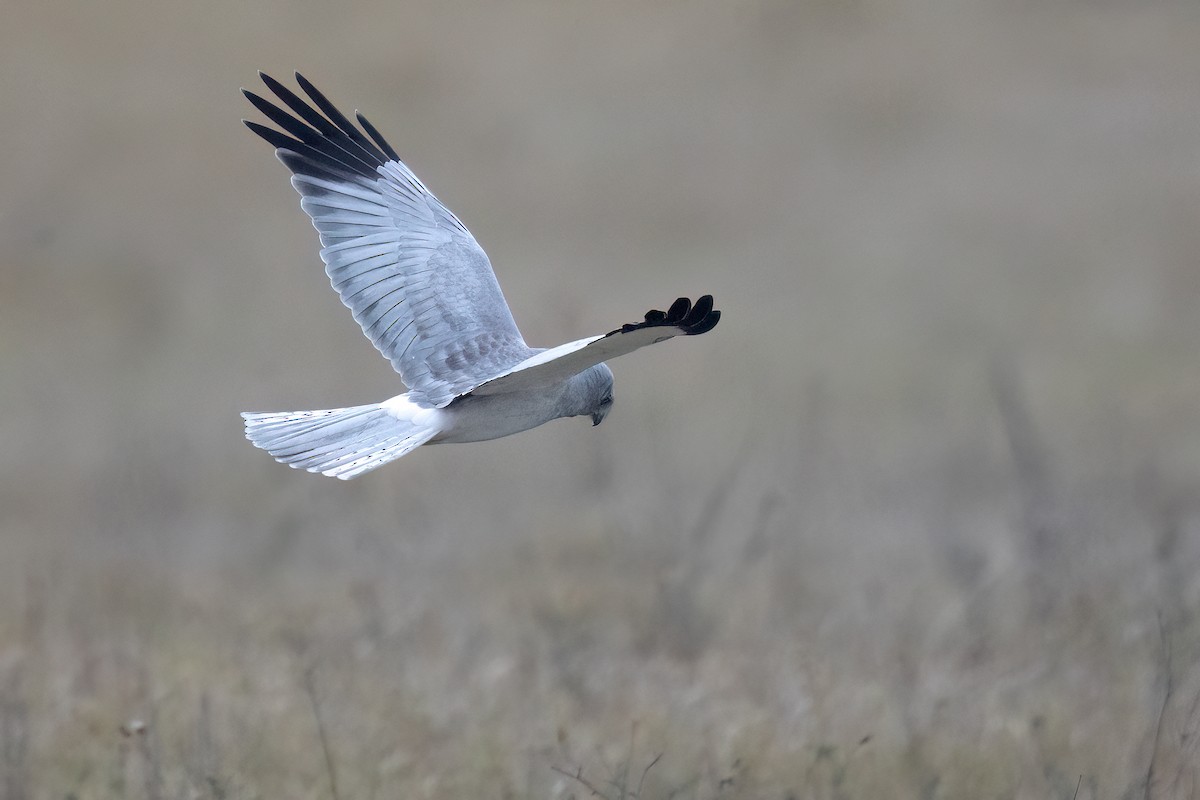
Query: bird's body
(478, 418)
(425, 295)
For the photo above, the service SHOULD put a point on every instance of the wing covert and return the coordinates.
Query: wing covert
(415, 279)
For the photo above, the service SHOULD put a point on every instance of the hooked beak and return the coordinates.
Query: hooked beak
(597, 418)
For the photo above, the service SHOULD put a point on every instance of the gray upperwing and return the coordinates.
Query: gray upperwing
(417, 282)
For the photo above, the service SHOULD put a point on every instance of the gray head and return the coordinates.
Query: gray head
(591, 393)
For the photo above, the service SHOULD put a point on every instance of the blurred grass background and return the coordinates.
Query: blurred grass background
(920, 519)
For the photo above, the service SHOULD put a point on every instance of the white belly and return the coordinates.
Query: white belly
(477, 419)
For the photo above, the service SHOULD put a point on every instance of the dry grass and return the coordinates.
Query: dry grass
(919, 520)
(592, 654)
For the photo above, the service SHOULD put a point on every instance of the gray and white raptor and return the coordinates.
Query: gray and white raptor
(425, 295)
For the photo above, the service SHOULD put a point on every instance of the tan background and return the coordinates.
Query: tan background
(919, 519)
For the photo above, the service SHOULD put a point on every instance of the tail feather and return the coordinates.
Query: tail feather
(340, 442)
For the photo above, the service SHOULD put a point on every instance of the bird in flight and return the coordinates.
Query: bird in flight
(424, 293)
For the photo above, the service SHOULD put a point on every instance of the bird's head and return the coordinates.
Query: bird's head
(600, 391)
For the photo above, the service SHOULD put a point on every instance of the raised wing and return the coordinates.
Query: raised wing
(559, 363)
(416, 280)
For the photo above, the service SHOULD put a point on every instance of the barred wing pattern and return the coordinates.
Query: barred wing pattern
(417, 282)
(559, 363)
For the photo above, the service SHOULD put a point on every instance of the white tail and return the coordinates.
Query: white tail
(340, 442)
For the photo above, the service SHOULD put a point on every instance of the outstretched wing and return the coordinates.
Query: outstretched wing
(559, 363)
(416, 280)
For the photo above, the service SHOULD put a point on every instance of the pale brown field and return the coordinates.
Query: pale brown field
(920, 519)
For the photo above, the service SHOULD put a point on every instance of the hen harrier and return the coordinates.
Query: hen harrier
(425, 295)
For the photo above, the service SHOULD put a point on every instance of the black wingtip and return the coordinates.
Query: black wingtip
(679, 310)
(374, 134)
(273, 137)
(258, 102)
(321, 137)
(699, 311)
(315, 94)
(272, 84)
(690, 319)
(702, 318)
(705, 325)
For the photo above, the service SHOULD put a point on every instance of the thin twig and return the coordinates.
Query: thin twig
(1078, 783)
(624, 786)
(642, 780)
(577, 775)
(1169, 688)
(1030, 460)
(316, 709)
